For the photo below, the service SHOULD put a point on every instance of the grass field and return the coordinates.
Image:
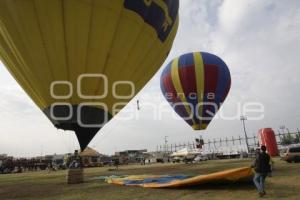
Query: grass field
(285, 184)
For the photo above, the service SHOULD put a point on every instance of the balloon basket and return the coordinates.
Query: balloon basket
(75, 176)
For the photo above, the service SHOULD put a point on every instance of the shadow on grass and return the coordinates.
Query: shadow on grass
(244, 185)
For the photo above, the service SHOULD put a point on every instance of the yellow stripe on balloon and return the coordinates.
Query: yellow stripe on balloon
(199, 71)
(178, 88)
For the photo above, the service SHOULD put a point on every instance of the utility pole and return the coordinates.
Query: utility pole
(42, 151)
(166, 142)
(243, 118)
(289, 135)
(282, 127)
(254, 140)
(279, 136)
(298, 133)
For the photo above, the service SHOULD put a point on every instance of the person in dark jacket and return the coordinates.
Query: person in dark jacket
(262, 169)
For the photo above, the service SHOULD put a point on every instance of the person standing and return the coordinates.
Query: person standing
(262, 168)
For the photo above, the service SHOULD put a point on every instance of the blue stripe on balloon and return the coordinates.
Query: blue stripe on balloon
(212, 59)
(186, 60)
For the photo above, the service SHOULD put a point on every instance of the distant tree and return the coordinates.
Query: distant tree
(286, 139)
(297, 138)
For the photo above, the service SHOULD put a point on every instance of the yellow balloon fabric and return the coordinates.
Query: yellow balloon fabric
(70, 53)
(235, 175)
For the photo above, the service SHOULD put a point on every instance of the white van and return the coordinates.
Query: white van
(291, 154)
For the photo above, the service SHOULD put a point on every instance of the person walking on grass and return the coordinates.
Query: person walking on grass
(262, 169)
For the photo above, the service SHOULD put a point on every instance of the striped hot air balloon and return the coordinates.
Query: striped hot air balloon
(196, 84)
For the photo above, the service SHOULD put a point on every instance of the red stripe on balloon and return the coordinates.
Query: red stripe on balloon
(211, 73)
(188, 79)
(210, 86)
(169, 88)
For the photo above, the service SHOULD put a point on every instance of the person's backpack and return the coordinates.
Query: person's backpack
(262, 164)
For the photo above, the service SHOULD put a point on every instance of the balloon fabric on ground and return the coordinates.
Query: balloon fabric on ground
(68, 54)
(173, 181)
(196, 84)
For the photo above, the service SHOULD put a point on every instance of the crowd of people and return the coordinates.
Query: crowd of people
(11, 165)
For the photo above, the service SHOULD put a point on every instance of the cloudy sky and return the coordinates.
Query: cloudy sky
(259, 41)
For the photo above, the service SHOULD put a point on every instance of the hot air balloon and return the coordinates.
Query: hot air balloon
(79, 60)
(196, 84)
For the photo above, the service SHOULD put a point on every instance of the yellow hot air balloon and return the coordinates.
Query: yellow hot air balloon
(80, 60)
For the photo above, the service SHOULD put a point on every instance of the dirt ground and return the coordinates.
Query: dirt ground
(43, 185)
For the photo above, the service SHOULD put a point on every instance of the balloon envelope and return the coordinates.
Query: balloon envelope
(68, 55)
(196, 84)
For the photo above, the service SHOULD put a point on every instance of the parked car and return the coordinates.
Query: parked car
(188, 159)
(185, 159)
(176, 159)
(200, 158)
(292, 154)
